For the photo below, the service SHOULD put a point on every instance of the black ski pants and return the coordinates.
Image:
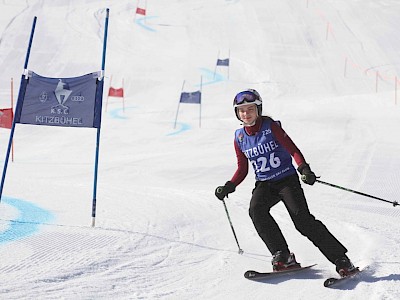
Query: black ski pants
(288, 190)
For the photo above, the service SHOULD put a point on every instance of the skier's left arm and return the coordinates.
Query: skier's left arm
(307, 176)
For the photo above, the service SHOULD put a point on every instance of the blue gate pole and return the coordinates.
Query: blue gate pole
(96, 165)
(21, 95)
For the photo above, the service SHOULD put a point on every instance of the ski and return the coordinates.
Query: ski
(254, 275)
(337, 280)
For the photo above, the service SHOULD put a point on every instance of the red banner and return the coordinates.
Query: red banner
(6, 117)
(141, 11)
(112, 92)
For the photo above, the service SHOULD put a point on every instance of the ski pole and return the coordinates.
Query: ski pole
(395, 203)
(233, 230)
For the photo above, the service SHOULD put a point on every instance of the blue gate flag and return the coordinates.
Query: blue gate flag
(193, 97)
(65, 102)
(223, 62)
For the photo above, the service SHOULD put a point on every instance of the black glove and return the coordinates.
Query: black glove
(222, 191)
(307, 176)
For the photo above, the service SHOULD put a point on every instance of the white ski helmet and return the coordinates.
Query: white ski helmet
(246, 97)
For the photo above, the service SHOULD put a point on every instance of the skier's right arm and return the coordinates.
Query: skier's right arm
(243, 167)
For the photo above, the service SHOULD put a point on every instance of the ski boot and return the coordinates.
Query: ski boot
(283, 260)
(344, 266)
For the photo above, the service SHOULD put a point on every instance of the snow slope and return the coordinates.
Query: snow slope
(326, 69)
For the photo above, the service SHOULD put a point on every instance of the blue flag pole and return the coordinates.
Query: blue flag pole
(229, 61)
(201, 87)
(19, 103)
(216, 65)
(96, 165)
(179, 103)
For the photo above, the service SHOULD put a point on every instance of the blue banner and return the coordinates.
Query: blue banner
(66, 102)
(223, 62)
(194, 97)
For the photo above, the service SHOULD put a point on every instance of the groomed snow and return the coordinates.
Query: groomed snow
(325, 69)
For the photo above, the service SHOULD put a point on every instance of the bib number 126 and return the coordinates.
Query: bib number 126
(262, 164)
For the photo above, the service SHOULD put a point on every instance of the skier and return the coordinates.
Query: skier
(269, 149)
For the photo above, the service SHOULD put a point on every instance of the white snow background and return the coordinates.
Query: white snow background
(325, 69)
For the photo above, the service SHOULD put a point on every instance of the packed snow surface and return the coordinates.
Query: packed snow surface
(326, 69)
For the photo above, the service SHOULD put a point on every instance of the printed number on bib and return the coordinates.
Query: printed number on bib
(263, 165)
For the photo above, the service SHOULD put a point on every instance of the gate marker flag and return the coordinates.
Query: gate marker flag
(6, 118)
(190, 97)
(113, 92)
(67, 102)
(222, 63)
(141, 11)
(117, 93)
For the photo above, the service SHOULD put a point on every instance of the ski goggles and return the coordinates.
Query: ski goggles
(246, 98)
